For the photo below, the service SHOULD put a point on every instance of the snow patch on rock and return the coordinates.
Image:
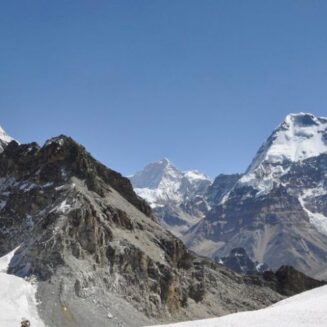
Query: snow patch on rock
(161, 181)
(317, 219)
(299, 137)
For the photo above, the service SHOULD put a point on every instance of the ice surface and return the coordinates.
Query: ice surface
(317, 219)
(4, 136)
(307, 309)
(17, 298)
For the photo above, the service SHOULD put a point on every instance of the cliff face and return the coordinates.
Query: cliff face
(94, 250)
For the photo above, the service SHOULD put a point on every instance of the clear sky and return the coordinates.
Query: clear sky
(202, 82)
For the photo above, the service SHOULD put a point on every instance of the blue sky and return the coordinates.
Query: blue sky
(200, 82)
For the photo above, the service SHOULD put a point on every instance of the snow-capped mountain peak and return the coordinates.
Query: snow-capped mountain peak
(161, 181)
(299, 137)
(4, 136)
(160, 173)
(177, 197)
(4, 139)
(277, 210)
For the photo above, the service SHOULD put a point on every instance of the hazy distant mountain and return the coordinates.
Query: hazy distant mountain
(177, 198)
(276, 211)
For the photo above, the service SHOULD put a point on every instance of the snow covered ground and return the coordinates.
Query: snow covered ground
(17, 298)
(307, 309)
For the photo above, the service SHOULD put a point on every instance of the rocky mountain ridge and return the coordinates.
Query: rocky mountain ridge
(95, 251)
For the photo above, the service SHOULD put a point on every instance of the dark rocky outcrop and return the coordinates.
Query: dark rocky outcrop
(221, 186)
(289, 281)
(286, 280)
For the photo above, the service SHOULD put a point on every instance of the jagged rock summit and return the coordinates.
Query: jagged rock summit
(277, 210)
(94, 250)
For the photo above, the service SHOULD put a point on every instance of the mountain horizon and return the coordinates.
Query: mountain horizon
(295, 149)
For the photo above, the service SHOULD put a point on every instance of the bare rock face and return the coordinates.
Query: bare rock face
(221, 186)
(95, 250)
(239, 261)
(289, 281)
(286, 280)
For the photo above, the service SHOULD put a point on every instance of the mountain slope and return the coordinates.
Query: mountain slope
(239, 261)
(277, 210)
(304, 310)
(177, 198)
(98, 255)
(221, 187)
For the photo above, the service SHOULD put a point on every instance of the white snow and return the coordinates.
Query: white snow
(17, 298)
(161, 181)
(194, 175)
(57, 140)
(63, 207)
(316, 219)
(27, 186)
(299, 137)
(4, 136)
(4, 139)
(47, 184)
(5, 260)
(259, 266)
(307, 309)
(263, 178)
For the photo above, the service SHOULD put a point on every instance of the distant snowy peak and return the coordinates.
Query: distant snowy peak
(194, 175)
(300, 136)
(161, 181)
(155, 174)
(4, 139)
